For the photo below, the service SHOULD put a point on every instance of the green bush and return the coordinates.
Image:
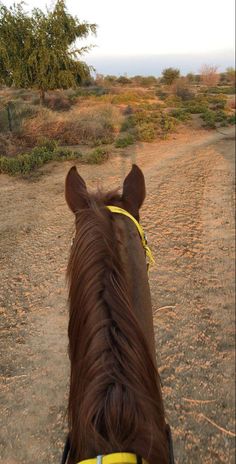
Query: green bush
(173, 101)
(209, 117)
(25, 163)
(181, 114)
(219, 101)
(146, 132)
(221, 116)
(195, 107)
(97, 156)
(232, 119)
(124, 141)
(227, 90)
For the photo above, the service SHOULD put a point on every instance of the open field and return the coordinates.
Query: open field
(189, 219)
(95, 122)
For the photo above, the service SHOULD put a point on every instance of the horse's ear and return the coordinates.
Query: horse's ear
(134, 190)
(75, 191)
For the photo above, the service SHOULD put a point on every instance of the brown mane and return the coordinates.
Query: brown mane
(114, 399)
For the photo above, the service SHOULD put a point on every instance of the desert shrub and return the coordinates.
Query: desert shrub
(167, 124)
(231, 119)
(4, 124)
(128, 110)
(124, 141)
(148, 125)
(227, 90)
(58, 102)
(27, 162)
(146, 132)
(221, 116)
(181, 114)
(86, 126)
(97, 156)
(209, 118)
(151, 106)
(128, 123)
(123, 80)
(219, 101)
(196, 107)
(173, 101)
(96, 91)
(161, 94)
(126, 97)
(184, 92)
(147, 81)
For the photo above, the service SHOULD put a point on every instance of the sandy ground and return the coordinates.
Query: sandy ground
(189, 218)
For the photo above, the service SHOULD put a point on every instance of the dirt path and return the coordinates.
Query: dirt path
(189, 220)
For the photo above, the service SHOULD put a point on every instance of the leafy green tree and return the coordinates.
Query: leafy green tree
(39, 51)
(170, 75)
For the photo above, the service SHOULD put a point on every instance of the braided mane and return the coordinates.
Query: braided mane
(114, 399)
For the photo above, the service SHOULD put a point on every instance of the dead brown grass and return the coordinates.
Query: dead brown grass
(77, 126)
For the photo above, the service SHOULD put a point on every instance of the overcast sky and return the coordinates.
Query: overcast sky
(154, 27)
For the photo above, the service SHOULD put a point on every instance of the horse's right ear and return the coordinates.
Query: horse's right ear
(75, 191)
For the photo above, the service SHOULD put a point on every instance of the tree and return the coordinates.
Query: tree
(39, 51)
(190, 77)
(230, 73)
(169, 75)
(209, 76)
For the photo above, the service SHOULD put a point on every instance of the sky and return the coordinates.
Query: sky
(155, 28)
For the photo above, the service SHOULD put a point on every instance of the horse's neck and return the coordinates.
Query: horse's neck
(134, 261)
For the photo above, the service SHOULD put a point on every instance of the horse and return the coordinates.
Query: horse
(115, 409)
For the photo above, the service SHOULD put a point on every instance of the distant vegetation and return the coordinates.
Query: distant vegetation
(52, 109)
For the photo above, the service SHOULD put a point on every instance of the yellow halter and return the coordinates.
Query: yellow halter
(114, 458)
(117, 209)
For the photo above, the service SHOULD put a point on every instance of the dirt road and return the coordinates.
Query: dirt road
(189, 219)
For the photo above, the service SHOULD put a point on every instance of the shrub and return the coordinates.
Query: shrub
(181, 114)
(173, 101)
(209, 117)
(25, 163)
(86, 126)
(196, 107)
(146, 132)
(128, 123)
(162, 94)
(128, 110)
(227, 90)
(97, 156)
(184, 92)
(58, 103)
(232, 119)
(124, 141)
(219, 101)
(221, 116)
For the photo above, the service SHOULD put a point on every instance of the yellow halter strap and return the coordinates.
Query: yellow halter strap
(114, 458)
(117, 209)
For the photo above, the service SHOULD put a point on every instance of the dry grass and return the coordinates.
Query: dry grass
(77, 126)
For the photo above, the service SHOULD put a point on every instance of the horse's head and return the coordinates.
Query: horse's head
(115, 400)
(130, 246)
(132, 197)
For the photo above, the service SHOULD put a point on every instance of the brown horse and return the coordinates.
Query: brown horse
(115, 401)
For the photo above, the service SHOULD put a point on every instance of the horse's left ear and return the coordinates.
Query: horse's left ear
(134, 190)
(76, 191)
